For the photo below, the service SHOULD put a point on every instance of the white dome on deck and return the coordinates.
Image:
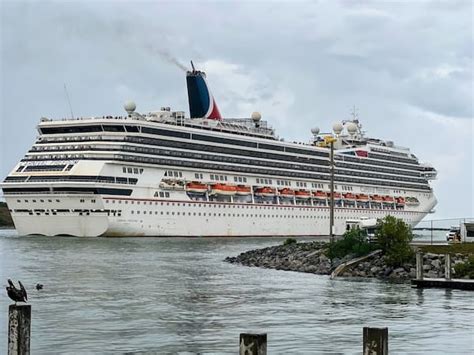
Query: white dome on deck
(337, 127)
(129, 106)
(256, 116)
(351, 128)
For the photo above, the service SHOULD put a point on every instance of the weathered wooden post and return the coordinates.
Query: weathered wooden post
(447, 267)
(253, 344)
(375, 341)
(19, 326)
(419, 266)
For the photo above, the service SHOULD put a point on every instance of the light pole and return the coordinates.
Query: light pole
(331, 211)
(337, 129)
(330, 140)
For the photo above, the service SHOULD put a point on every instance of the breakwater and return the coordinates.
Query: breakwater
(311, 258)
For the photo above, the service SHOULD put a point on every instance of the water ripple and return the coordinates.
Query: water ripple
(177, 296)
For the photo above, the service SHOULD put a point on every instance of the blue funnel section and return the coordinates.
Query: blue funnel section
(201, 102)
(198, 95)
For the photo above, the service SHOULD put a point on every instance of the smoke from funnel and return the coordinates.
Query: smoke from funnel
(169, 58)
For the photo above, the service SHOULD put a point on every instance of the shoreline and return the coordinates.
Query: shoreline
(309, 257)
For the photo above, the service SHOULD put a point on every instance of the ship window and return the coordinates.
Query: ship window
(133, 129)
(167, 194)
(166, 132)
(141, 171)
(72, 129)
(135, 170)
(113, 128)
(129, 170)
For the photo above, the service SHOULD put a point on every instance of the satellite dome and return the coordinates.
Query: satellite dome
(351, 128)
(337, 127)
(315, 131)
(256, 116)
(129, 106)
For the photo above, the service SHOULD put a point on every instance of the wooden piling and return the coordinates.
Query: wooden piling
(447, 267)
(19, 326)
(253, 344)
(419, 266)
(375, 341)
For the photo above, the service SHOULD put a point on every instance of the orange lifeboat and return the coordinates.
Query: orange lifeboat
(388, 199)
(222, 189)
(349, 196)
(243, 190)
(376, 198)
(320, 194)
(400, 200)
(196, 187)
(362, 197)
(302, 194)
(265, 192)
(287, 193)
(337, 195)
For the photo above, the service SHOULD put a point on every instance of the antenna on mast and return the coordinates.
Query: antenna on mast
(192, 65)
(354, 114)
(68, 101)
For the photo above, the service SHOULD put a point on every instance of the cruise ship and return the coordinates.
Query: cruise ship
(164, 174)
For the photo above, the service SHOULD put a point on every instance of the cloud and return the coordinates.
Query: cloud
(407, 66)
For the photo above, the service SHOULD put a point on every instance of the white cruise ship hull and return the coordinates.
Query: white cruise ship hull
(155, 217)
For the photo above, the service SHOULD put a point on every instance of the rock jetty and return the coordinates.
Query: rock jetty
(311, 258)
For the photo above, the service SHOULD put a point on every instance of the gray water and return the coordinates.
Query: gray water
(165, 296)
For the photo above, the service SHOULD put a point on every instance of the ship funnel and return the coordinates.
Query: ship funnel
(201, 101)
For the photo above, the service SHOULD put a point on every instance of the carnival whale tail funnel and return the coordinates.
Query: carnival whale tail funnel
(201, 101)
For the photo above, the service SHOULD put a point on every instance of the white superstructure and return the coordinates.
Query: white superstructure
(161, 174)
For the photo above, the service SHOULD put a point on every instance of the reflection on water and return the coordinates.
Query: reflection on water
(176, 295)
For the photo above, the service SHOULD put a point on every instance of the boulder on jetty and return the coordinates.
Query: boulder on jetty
(311, 257)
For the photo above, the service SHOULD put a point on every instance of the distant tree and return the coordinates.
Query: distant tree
(5, 217)
(394, 237)
(353, 241)
(466, 268)
(290, 241)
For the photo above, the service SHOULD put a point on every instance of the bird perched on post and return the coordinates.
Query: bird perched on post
(17, 295)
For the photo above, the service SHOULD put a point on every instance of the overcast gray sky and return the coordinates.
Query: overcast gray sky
(406, 65)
